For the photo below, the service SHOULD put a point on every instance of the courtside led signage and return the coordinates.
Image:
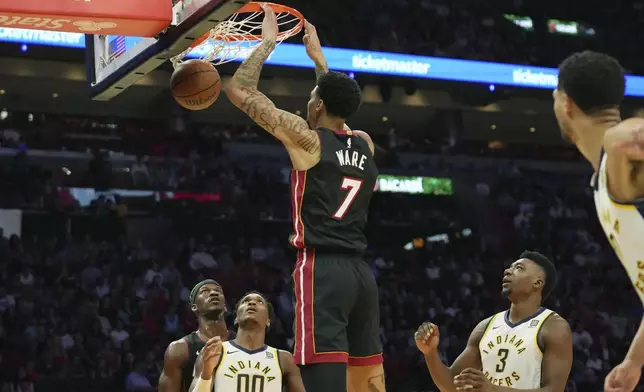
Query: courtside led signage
(357, 61)
(415, 185)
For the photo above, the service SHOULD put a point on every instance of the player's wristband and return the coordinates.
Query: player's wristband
(203, 385)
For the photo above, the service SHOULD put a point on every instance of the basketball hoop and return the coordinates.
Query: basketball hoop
(237, 36)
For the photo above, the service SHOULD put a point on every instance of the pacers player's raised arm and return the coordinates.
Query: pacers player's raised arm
(242, 91)
(624, 146)
(427, 339)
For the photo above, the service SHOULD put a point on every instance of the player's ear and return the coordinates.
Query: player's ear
(319, 106)
(568, 104)
(193, 307)
(538, 283)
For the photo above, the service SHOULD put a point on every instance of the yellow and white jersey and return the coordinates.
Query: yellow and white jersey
(623, 224)
(510, 352)
(248, 371)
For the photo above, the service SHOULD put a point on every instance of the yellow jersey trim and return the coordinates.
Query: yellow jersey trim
(489, 324)
(536, 334)
(221, 360)
(279, 362)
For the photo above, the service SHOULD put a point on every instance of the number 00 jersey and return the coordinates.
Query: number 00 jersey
(330, 201)
(510, 353)
(624, 227)
(249, 371)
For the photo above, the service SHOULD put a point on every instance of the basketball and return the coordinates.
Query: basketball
(195, 84)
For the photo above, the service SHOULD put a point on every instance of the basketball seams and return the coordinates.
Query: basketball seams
(195, 85)
(185, 77)
(198, 92)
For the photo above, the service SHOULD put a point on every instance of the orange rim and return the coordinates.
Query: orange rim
(253, 7)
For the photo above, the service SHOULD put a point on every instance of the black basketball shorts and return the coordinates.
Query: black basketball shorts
(337, 313)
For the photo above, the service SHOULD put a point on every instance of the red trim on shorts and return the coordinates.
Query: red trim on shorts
(304, 352)
(298, 184)
(371, 360)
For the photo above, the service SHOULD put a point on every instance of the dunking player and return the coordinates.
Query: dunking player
(527, 347)
(209, 305)
(586, 104)
(246, 363)
(337, 312)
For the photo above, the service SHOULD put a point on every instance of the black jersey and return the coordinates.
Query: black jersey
(195, 344)
(330, 201)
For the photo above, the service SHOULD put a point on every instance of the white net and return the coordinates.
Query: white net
(236, 37)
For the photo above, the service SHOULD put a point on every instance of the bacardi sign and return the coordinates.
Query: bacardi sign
(141, 18)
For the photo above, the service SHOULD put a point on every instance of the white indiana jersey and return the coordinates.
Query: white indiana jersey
(623, 224)
(248, 371)
(510, 353)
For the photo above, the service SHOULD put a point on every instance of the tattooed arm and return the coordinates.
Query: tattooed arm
(290, 129)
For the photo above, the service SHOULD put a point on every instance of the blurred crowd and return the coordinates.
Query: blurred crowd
(95, 311)
(143, 154)
(91, 303)
(478, 30)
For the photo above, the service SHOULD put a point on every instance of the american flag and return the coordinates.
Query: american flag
(117, 47)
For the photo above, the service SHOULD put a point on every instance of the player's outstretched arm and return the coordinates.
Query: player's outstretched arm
(626, 375)
(636, 351)
(290, 129)
(624, 146)
(314, 49)
(175, 356)
(291, 373)
(427, 339)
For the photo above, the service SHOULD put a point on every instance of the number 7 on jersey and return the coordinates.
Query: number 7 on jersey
(353, 186)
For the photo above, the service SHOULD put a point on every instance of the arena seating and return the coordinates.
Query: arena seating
(90, 311)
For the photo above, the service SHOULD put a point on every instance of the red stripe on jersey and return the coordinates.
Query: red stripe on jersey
(298, 185)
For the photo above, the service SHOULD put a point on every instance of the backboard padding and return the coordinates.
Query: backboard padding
(110, 77)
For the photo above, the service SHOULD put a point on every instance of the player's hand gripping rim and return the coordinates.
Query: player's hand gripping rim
(269, 24)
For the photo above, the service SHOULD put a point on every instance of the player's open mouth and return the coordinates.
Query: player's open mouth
(251, 310)
(214, 300)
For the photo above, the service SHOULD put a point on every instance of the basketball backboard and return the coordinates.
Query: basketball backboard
(115, 62)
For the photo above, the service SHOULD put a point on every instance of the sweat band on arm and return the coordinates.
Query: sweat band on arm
(203, 385)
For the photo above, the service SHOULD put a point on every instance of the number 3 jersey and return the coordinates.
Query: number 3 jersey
(510, 352)
(330, 201)
(241, 370)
